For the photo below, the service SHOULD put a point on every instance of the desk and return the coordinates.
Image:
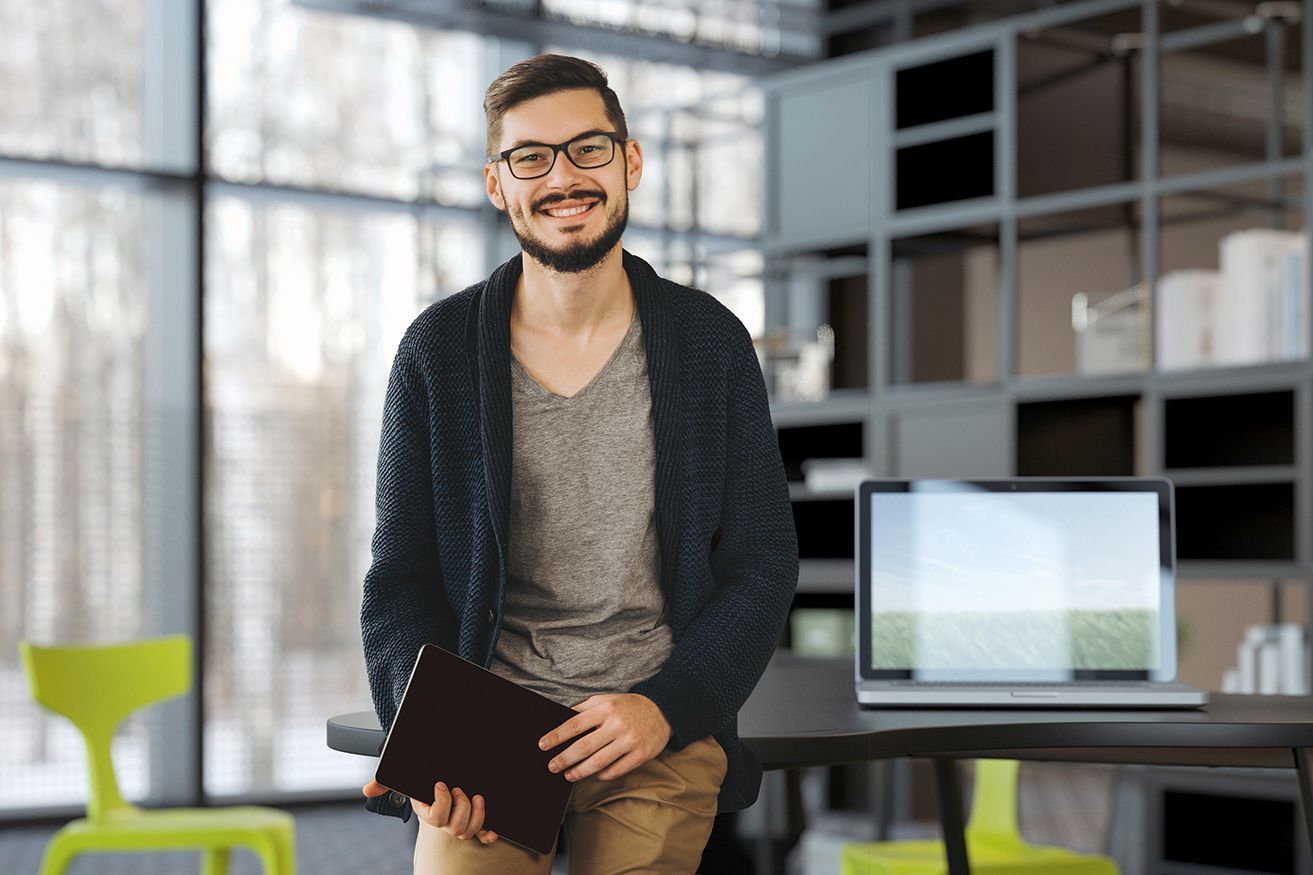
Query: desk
(804, 713)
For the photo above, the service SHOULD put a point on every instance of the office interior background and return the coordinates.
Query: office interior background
(970, 238)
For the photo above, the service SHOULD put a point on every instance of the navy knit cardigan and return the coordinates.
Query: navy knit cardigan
(729, 552)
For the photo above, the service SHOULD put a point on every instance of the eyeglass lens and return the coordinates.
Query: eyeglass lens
(594, 150)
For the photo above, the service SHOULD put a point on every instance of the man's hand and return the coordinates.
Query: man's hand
(628, 730)
(452, 811)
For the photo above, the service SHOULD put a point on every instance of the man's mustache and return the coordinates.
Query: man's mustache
(582, 194)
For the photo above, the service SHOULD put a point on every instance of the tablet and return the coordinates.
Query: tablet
(463, 725)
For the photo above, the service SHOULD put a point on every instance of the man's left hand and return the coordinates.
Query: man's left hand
(628, 730)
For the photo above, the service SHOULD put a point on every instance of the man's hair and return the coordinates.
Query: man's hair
(542, 75)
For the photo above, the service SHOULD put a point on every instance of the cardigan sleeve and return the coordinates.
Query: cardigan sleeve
(403, 604)
(718, 660)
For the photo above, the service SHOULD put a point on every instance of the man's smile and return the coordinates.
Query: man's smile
(570, 211)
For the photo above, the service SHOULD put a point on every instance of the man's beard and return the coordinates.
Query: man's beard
(574, 257)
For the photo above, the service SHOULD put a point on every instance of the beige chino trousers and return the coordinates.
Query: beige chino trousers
(655, 819)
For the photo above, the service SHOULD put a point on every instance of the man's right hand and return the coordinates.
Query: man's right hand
(452, 811)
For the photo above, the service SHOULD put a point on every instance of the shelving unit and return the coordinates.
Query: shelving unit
(929, 174)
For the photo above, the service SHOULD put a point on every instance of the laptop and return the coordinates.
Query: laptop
(1023, 592)
(462, 724)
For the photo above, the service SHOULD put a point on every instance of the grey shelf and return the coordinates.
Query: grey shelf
(826, 576)
(1228, 476)
(801, 492)
(980, 424)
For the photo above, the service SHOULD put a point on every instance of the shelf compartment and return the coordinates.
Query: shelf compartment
(943, 301)
(1229, 431)
(1074, 98)
(825, 529)
(922, 99)
(1214, 104)
(1088, 437)
(841, 440)
(1252, 521)
(1080, 308)
(944, 171)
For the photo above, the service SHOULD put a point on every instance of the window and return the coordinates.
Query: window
(304, 309)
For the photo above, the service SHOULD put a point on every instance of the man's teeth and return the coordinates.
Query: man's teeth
(571, 211)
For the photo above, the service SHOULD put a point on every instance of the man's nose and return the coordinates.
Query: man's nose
(563, 173)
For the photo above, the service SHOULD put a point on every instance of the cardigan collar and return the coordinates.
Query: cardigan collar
(661, 345)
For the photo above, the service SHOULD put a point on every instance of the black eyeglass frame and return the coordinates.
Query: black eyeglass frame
(558, 148)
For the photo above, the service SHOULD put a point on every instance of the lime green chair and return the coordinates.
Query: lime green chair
(994, 844)
(96, 687)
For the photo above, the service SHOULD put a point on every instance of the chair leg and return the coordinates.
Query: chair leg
(58, 855)
(214, 861)
(277, 853)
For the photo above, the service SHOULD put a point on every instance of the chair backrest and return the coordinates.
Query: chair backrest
(993, 818)
(97, 686)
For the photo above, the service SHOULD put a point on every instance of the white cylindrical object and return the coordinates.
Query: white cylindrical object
(1230, 681)
(1269, 666)
(1247, 659)
(1293, 668)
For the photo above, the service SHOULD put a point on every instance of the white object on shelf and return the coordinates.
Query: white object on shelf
(1247, 659)
(834, 475)
(1293, 660)
(1110, 328)
(1183, 325)
(1271, 660)
(1269, 665)
(1259, 295)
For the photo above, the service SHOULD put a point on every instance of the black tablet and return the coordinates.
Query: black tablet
(463, 725)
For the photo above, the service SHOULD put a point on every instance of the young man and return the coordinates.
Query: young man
(579, 488)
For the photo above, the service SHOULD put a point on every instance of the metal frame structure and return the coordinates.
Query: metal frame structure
(887, 397)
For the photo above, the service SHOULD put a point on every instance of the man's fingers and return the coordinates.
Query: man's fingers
(374, 788)
(595, 763)
(460, 813)
(441, 809)
(487, 836)
(577, 752)
(569, 729)
(621, 767)
(477, 810)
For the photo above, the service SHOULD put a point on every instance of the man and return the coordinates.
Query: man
(579, 487)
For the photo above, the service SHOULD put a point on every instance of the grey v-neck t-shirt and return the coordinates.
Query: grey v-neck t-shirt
(584, 611)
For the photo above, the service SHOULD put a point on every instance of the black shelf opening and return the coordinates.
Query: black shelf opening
(1087, 437)
(844, 440)
(1251, 521)
(1229, 430)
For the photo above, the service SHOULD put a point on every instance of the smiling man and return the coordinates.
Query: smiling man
(579, 488)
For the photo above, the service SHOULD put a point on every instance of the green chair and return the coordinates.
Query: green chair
(994, 844)
(96, 687)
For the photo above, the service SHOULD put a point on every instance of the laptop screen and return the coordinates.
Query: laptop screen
(1017, 580)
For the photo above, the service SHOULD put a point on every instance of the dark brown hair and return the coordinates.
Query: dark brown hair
(542, 75)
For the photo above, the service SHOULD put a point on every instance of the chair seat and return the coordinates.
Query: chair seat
(927, 858)
(138, 829)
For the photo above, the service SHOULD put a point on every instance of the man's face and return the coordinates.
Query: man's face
(575, 242)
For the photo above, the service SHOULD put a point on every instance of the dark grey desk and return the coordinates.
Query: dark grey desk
(804, 713)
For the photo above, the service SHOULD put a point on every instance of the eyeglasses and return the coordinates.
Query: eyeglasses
(587, 151)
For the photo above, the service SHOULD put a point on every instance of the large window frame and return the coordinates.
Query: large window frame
(176, 186)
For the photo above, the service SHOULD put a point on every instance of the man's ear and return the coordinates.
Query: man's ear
(492, 185)
(633, 164)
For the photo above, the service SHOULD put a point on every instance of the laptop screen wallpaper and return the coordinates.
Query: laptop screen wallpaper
(1044, 581)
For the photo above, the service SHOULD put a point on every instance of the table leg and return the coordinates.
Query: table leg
(948, 791)
(1305, 778)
